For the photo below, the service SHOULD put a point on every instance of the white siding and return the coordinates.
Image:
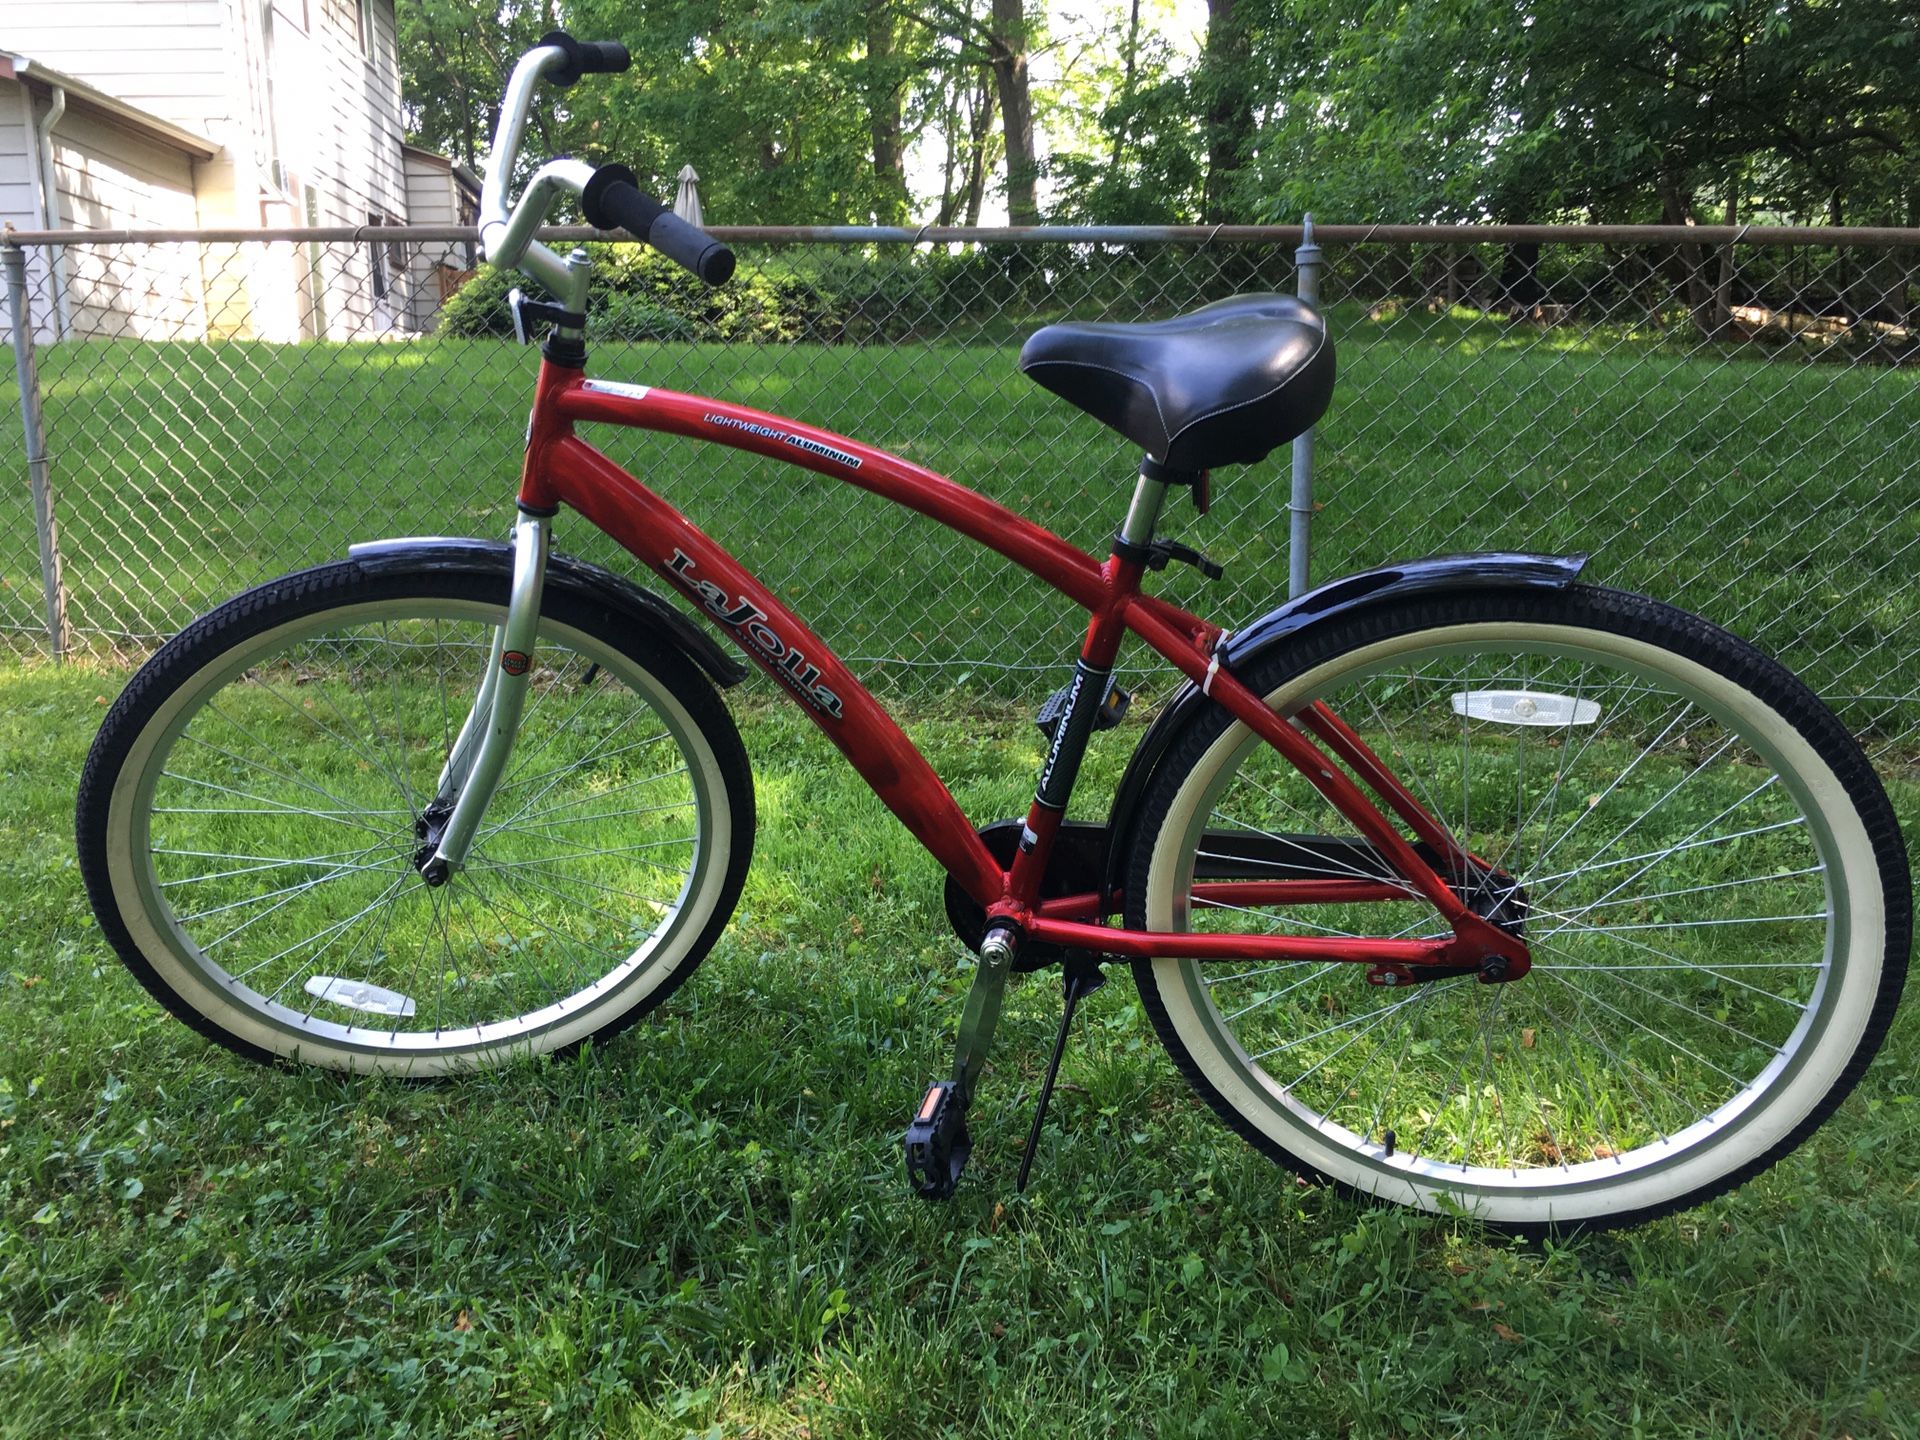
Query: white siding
(109, 177)
(16, 160)
(338, 130)
(433, 198)
(17, 188)
(168, 57)
(294, 111)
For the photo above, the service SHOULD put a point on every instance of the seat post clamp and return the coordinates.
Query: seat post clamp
(1152, 469)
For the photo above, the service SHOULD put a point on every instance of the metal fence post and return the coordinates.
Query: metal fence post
(52, 586)
(1306, 261)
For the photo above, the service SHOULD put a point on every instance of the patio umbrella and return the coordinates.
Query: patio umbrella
(686, 199)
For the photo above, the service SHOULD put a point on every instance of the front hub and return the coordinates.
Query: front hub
(428, 829)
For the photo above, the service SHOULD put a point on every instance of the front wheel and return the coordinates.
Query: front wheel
(1707, 873)
(251, 817)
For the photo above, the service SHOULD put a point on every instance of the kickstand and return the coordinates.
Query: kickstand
(1080, 977)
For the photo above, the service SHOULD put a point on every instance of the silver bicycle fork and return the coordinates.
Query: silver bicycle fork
(480, 753)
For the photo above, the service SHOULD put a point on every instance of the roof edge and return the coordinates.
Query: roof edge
(462, 176)
(29, 71)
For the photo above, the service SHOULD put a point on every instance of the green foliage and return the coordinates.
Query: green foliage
(834, 296)
(1510, 110)
(455, 56)
(800, 111)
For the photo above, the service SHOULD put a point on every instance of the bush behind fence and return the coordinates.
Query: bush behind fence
(1731, 425)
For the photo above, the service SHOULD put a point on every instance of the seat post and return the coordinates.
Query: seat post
(1143, 514)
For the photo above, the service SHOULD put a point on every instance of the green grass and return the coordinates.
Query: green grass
(1772, 495)
(701, 1228)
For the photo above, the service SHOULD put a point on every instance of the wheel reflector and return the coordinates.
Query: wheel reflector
(359, 995)
(1525, 707)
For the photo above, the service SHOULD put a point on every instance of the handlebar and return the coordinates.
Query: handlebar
(586, 57)
(609, 196)
(613, 202)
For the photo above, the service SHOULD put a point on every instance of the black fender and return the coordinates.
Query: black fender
(576, 577)
(1502, 570)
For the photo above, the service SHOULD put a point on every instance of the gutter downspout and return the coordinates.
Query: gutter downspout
(50, 210)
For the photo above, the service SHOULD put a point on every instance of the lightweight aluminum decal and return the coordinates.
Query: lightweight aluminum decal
(799, 442)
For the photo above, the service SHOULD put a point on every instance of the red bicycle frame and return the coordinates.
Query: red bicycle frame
(561, 468)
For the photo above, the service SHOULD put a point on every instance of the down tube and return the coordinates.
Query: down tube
(776, 640)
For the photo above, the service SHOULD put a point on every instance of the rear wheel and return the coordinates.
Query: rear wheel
(1703, 864)
(251, 815)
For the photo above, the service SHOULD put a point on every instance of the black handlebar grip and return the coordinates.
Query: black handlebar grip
(612, 201)
(603, 57)
(585, 57)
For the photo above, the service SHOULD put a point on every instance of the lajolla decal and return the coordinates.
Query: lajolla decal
(749, 621)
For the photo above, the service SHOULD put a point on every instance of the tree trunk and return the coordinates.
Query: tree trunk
(1130, 60)
(950, 133)
(1229, 115)
(1723, 283)
(980, 138)
(1520, 289)
(883, 114)
(1007, 53)
(1689, 262)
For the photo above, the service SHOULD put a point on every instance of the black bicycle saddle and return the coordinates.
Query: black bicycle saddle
(1221, 385)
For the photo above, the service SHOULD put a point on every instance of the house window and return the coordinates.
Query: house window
(385, 258)
(368, 34)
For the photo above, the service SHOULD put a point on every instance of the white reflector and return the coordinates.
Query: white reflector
(1525, 707)
(359, 995)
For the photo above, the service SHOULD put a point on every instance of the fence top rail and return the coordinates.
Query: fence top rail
(1858, 237)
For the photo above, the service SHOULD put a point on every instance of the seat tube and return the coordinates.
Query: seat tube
(499, 716)
(1086, 692)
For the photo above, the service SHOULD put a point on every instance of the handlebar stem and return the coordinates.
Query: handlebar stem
(509, 242)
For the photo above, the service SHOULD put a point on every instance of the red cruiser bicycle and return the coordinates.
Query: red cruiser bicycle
(1459, 883)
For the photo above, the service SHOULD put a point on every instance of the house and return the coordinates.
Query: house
(439, 192)
(242, 114)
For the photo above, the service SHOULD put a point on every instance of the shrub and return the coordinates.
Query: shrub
(851, 295)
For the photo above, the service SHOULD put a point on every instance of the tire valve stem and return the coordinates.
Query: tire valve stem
(1389, 1140)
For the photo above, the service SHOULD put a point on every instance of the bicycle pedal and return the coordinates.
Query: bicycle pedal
(936, 1143)
(1113, 709)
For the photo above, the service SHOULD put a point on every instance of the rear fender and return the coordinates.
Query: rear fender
(575, 577)
(1497, 570)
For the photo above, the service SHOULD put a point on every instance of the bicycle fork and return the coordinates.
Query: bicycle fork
(479, 754)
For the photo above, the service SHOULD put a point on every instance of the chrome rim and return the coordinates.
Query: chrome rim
(1691, 945)
(272, 824)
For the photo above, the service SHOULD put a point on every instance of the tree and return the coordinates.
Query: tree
(885, 82)
(1224, 88)
(998, 41)
(1126, 149)
(455, 57)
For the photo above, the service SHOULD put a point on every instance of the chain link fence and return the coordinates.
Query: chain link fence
(1728, 420)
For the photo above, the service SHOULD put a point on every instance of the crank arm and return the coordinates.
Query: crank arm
(937, 1143)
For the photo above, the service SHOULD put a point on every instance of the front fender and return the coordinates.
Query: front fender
(642, 607)
(1492, 570)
